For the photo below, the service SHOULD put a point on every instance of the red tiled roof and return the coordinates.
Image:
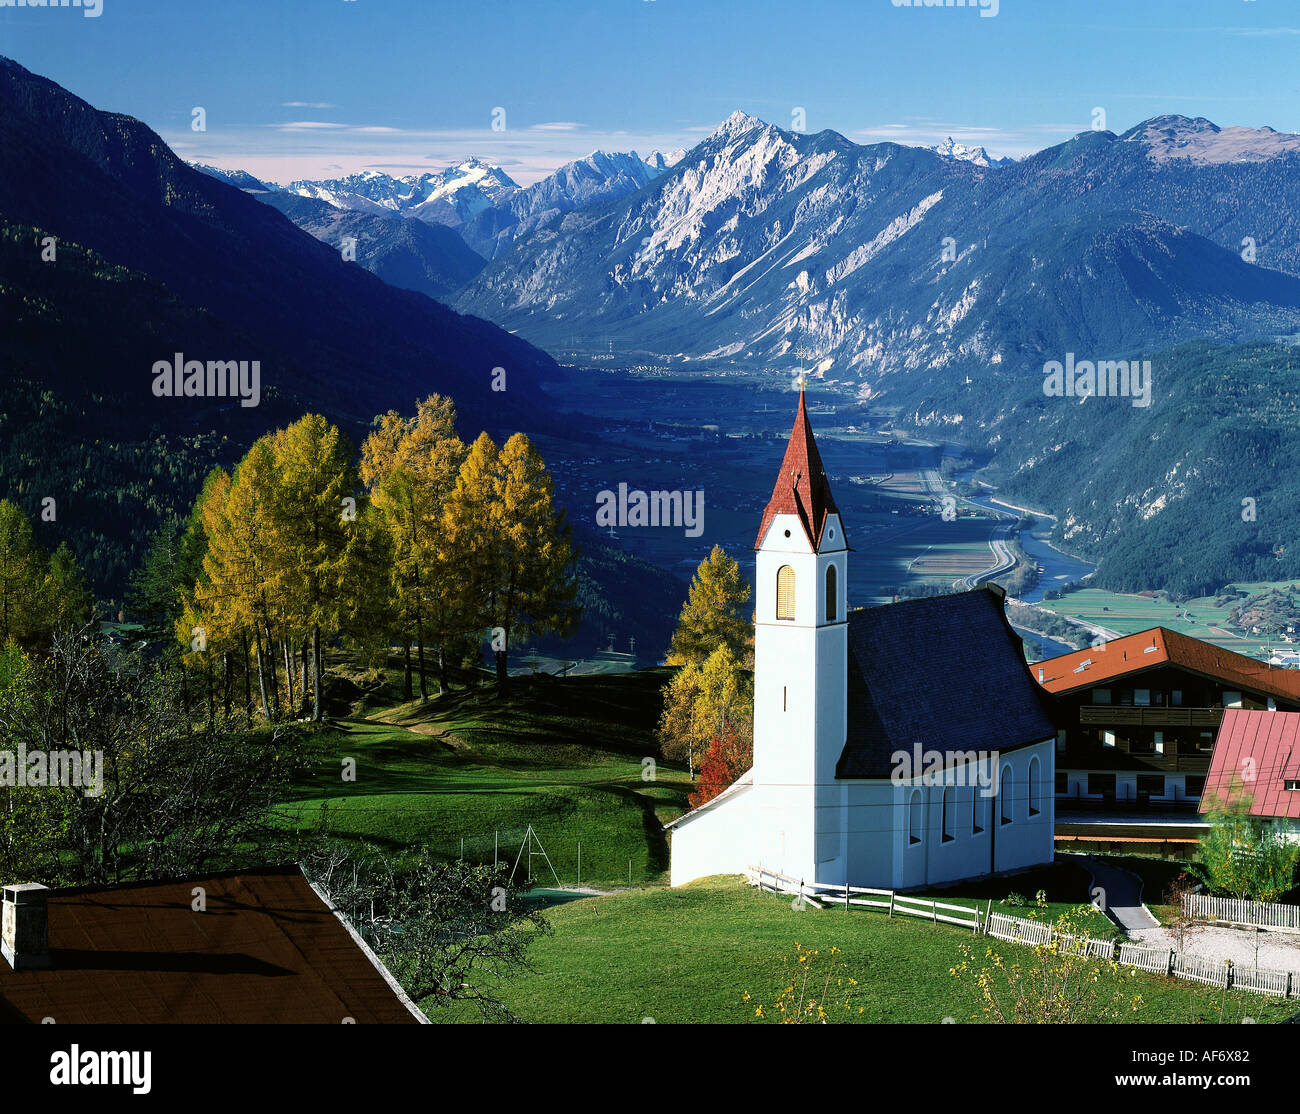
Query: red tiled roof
(1271, 741)
(267, 950)
(801, 486)
(1161, 646)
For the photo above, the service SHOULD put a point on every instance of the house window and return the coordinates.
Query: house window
(1062, 784)
(1060, 741)
(830, 593)
(1232, 699)
(915, 818)
(1160, 742)
(1151, 785)
(1176, 698)
(1005, 795)
(1108, 738)
(1142, 697)
(785, 592)
(1101, 785)
(1035, 787)
(1194, 786)
(1293, 784)
(1101, 696)
(947, 825)
(1205, 742)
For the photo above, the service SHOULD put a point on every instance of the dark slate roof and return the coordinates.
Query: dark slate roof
(947, 672)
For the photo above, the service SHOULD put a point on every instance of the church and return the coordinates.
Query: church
(895, 747)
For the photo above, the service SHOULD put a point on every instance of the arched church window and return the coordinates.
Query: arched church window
(785, 592)
(1035, 787)
(831, 595)
(915, 818)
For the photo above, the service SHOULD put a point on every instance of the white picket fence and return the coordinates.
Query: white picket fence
(1159, 961)
(1232, 910)
(821, 896)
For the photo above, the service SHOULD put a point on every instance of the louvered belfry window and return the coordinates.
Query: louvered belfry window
(785, 592)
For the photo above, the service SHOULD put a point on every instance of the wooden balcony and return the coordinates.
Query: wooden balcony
(1108, 715)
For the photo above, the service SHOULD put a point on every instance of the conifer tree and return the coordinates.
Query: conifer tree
(714, 614)
(510, 547)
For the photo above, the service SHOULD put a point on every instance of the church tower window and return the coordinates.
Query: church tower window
(831, 593)
(785, 592)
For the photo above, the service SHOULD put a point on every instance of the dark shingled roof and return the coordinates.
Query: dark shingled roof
(267, 950)
(947, 672)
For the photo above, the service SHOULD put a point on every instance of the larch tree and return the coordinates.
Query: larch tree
(511, 550)
(312, 508)
(714, 614)
(237, 580)
(712, 694)
(410, 466)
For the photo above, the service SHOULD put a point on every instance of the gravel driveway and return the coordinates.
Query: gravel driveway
(1278, 950)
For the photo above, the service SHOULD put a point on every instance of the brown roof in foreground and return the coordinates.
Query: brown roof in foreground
(1160, 646)
(267, 950)
(802, 488)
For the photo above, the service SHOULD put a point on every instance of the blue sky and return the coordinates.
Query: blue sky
(315, 88)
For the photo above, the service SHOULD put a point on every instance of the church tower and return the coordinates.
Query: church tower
(801, 667)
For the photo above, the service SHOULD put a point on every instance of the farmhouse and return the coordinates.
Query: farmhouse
(1137, 716)
(895, 746)
(247, 947)
(1257, 761)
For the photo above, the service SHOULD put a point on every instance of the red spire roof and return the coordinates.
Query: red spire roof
(801, 487)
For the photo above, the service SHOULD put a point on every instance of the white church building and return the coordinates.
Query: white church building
(895, 747)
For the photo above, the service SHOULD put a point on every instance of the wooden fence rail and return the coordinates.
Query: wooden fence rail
(1232, 910)
(1159, 961)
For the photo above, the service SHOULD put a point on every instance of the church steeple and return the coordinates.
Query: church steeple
(802, 488)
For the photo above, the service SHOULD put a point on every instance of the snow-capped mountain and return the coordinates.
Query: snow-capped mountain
(601, 176)
(977, 156)
(240, 179)
(665, 160)
(481, 201)
(452, 196)
(888, 259)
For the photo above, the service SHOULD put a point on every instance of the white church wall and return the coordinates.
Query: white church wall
(1029, 838)
(869, 833)
(717, 841)
(899, 840)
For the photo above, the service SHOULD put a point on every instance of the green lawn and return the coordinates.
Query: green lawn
(565, 756)
(691, 954)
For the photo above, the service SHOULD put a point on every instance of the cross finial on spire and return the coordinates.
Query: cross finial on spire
(801, 381)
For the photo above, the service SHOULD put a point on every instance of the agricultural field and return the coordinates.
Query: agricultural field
(1205, 618)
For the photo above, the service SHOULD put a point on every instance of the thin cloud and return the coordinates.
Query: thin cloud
(306, 125)
(307, 104)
